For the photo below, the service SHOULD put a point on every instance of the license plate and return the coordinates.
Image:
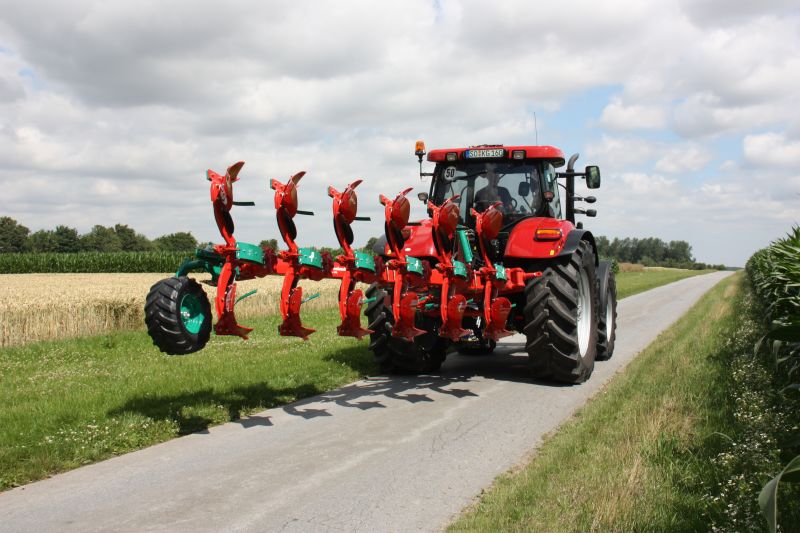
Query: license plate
(491, 152)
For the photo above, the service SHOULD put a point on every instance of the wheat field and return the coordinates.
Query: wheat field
(36, 307)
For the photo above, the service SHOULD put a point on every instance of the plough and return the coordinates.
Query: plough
(434, 283)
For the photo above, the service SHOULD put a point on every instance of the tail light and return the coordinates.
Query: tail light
(548, 234)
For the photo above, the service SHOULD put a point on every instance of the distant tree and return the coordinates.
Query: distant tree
(603, 246)
(370, 244)
(130, 240)
(41, 241)
(13, 235)
(101, 239)
(66, 240)
(182, 241)
(269, 243)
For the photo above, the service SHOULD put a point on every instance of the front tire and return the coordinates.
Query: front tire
(394, 355)
(561, 318)
(178, 316)
(607, 317)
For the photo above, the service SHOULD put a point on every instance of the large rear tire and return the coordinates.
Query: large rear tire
(178, 315)
(394, 355)
(607, 316)
(561, 318)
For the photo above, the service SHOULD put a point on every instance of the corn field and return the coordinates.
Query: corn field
(36, 307)
(91, 262)
(775, 275)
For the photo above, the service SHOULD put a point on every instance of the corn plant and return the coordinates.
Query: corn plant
(775, 275)
(90, 262)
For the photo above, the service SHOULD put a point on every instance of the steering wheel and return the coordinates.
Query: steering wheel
(513, 204)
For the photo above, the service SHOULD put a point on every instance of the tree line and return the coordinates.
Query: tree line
(651, 251)
(16, 238)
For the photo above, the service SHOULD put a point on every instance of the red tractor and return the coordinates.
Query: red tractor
(496, 255)
(514, 261)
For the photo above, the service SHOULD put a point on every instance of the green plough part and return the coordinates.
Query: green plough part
(309, 298)
(245, 295)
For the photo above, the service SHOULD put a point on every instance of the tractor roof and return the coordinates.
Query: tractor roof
(490, 151)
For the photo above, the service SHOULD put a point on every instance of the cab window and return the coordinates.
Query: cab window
(550, 183)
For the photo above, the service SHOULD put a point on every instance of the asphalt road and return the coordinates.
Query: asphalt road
(382, 454)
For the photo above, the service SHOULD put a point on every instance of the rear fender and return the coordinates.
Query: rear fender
(522, 243)
(574, 238)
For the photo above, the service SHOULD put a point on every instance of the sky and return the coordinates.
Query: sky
(111, 112)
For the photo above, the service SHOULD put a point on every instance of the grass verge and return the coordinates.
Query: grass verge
(69, 403)
(630, 283)
(656, 450)
(72, 402)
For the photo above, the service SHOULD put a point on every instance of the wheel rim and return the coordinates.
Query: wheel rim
(609, 315)
(584, 312)
(192, 314)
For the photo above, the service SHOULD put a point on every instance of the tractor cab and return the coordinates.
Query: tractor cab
(522, 178)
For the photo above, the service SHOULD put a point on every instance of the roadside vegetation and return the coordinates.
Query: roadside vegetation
(72, 402)
(775, 275)
(687, 437)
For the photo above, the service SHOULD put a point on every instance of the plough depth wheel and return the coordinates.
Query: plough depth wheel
(178, 315)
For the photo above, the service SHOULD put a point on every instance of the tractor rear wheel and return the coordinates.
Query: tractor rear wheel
(561, 318)
(607, 316)
(394, 355)
(178, 315)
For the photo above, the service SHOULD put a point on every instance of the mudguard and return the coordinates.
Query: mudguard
(573, 240)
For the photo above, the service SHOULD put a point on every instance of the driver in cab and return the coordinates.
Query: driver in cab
(493, 192)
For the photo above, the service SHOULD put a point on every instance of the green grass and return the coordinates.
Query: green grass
(630, 283)
(639, 456)
(69, 403)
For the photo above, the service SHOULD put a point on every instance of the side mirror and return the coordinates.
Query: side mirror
(593, 177)
(423, 197)
(524, 189)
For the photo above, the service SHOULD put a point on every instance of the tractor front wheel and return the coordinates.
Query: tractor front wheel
(394, 355)
(607, 317)
(561, 318)
(178, 315)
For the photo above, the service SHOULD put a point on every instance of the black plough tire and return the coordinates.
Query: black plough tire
(551, 319)
(162, 314)
(607, 316)
(398, 356)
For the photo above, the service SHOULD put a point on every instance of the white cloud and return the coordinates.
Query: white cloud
(111, 112)
(618, 116)
(772, 149)
(684, 158)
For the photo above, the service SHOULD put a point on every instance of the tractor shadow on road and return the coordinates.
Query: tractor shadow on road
(509, 362)
(196, 411)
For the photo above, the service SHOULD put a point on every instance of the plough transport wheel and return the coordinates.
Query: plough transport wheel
(561, 318)
(178, 315)
(395, 355)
